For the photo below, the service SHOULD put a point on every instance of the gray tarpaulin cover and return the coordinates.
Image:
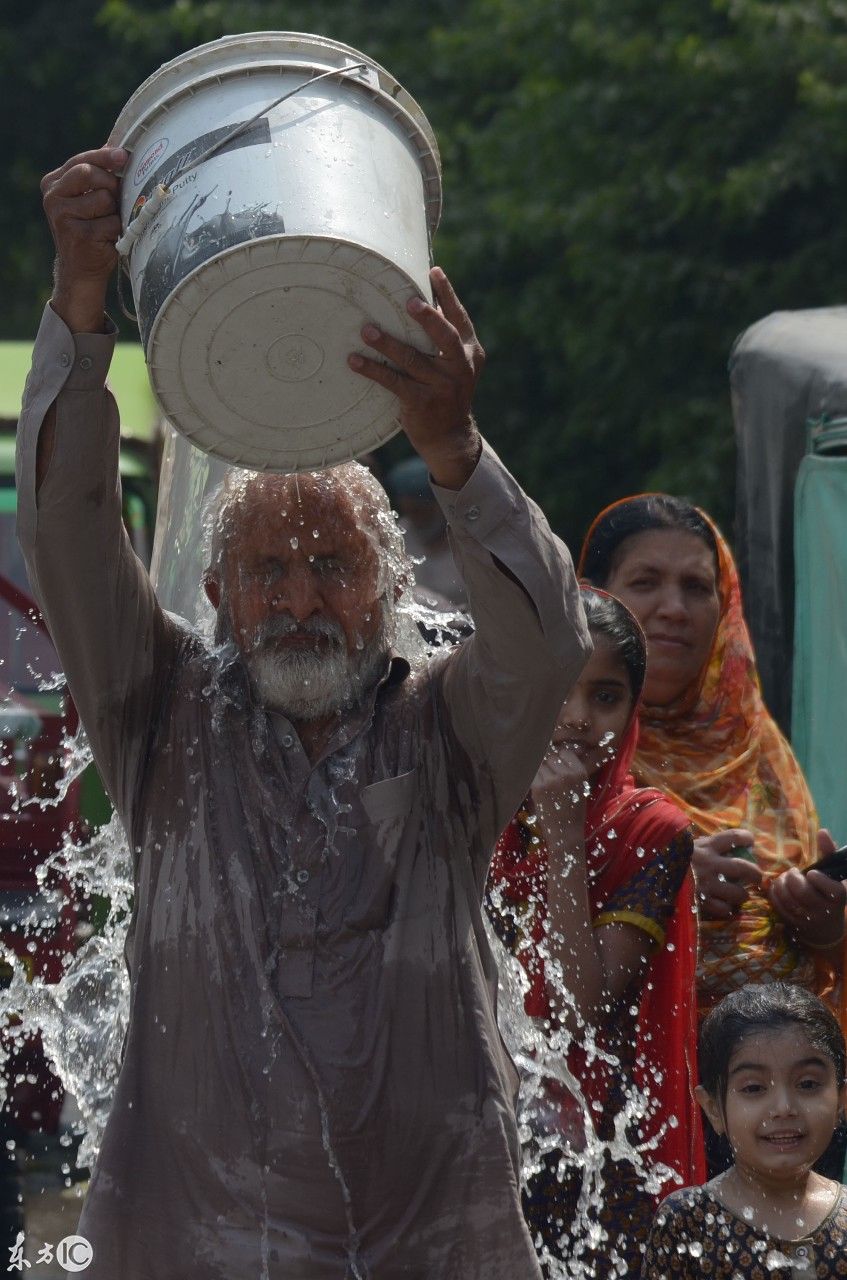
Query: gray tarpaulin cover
(786, 370)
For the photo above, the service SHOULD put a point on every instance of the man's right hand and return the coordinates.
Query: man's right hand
(81, 202)
(723, 882)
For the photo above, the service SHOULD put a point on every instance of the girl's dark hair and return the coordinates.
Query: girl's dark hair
(607, 617)
(773, 1006)
(638, 515)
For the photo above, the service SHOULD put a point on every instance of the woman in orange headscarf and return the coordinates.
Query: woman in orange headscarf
(708, 741)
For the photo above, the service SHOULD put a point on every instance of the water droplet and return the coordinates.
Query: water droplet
(775, 1259)
(295, 543)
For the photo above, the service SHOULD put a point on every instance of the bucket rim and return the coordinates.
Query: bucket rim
(170, 81)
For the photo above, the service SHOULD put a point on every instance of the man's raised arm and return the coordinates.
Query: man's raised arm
(503, 688)
(103, 616)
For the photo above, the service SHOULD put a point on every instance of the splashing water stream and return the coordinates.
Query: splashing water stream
(540, 1051)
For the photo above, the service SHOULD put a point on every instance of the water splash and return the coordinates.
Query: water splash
(76, 757)
(566, 1136)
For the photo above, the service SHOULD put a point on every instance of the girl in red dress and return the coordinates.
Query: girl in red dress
(590, 889)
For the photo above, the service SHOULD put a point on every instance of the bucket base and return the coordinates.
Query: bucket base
(248, 355)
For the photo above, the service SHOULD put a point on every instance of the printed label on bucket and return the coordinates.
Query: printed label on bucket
(193, 238)
(189, 243)
(168, 174)
(153, 154)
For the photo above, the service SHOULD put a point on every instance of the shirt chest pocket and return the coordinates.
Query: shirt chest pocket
(388, 809)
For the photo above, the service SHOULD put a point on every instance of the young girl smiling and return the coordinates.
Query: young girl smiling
(772, 1065)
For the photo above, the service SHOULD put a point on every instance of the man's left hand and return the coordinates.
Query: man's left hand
(435, 392)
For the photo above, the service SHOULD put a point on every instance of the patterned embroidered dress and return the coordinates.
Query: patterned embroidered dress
(695, 1236)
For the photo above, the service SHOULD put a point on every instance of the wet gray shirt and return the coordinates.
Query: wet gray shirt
(313, 1085)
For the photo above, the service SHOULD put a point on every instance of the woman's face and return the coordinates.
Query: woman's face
(593, 720)
(667, 578)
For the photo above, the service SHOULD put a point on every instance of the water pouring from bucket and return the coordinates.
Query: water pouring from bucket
(282, 191)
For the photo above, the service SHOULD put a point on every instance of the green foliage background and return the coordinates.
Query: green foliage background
(628, 185)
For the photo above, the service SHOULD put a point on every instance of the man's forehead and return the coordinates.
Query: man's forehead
(319, 507)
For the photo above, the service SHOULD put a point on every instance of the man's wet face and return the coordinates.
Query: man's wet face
(301, 588)
(308, 556)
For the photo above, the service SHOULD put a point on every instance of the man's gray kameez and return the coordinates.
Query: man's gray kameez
(313, 1085)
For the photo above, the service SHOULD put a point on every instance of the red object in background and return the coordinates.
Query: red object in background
(37, 921)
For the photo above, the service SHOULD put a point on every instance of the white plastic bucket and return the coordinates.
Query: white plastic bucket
(253, 279)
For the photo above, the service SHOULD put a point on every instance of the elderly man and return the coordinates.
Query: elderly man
(313, 1086)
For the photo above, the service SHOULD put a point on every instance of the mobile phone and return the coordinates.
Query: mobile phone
(745, 851)
(833, 865)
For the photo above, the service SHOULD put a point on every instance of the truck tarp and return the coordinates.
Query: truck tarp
(786, 371)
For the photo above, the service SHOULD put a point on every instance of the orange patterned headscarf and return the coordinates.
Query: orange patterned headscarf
(717, 753)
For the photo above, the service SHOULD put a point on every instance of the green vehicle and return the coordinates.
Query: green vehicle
(24, 653)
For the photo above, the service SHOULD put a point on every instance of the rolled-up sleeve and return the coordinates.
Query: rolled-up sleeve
(504, 687)
(109, 632)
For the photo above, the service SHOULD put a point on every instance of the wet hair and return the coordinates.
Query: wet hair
(607, 617)
(640, 515)
(773, 1006)
(372, 509)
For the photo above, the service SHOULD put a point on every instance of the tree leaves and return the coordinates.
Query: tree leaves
(627, 186)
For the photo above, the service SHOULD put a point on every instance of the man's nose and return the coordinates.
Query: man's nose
(299, 594)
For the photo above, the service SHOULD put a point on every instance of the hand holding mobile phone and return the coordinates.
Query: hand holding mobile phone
(833, 865)
(745, 851)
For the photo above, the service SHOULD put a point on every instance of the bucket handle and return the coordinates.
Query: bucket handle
(245, 124)
(130, 315)
(146, 214)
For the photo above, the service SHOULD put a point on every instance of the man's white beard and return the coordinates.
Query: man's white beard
(311, 685)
